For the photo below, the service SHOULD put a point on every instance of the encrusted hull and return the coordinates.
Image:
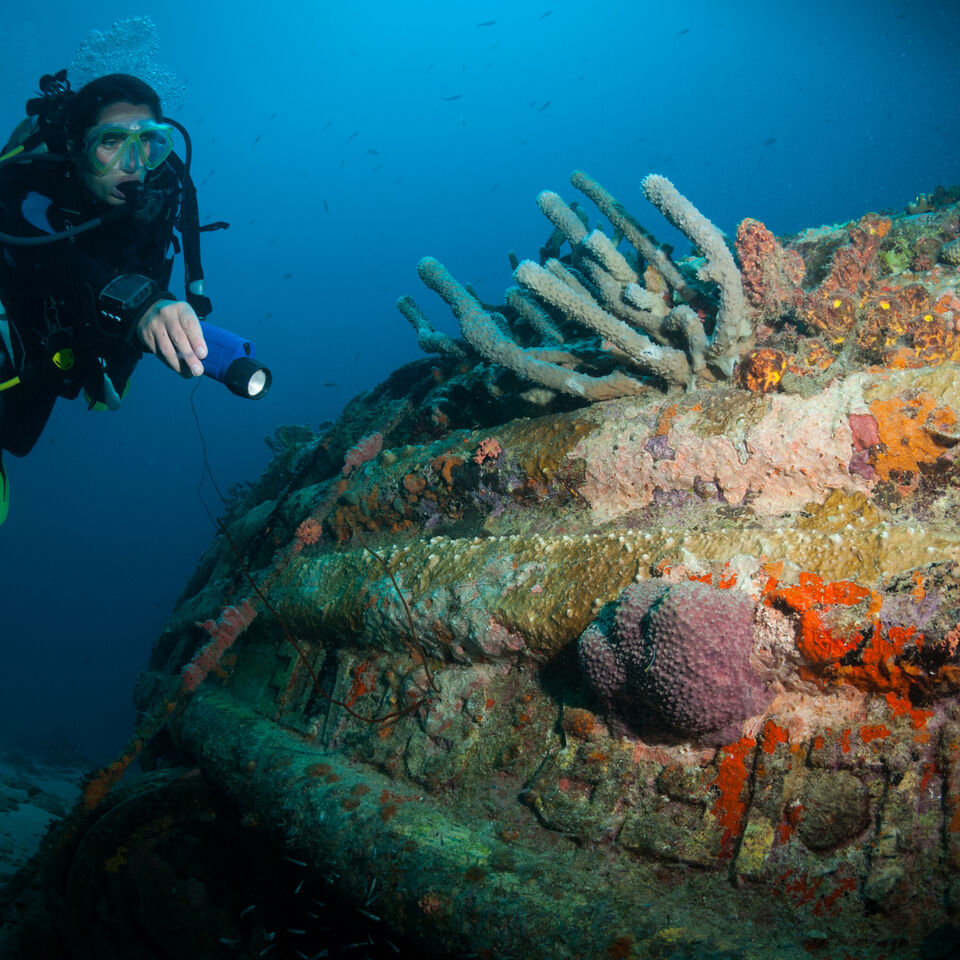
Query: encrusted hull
(402, 700)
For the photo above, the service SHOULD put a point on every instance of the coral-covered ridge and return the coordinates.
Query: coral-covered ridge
(643, 597)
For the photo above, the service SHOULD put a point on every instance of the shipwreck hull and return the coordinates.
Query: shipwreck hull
(408, 710)
(668, 674)
(480, 877)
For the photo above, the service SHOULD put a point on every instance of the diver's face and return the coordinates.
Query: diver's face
(105, 185)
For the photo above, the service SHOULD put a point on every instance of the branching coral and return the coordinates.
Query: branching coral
(649, 328)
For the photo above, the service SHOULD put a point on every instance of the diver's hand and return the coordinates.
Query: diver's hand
(170, 330)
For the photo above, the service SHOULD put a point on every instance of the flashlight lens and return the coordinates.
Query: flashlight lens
(247, 378)
(257, 383)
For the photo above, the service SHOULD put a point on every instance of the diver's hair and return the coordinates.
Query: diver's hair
(92, 97)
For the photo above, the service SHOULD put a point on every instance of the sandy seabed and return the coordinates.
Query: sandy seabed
(33, 794)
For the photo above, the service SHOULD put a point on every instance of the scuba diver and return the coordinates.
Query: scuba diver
(91, 194)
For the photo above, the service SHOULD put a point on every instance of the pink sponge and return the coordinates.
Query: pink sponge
(674, 660)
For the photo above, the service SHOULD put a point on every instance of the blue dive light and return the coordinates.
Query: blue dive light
(230, 360)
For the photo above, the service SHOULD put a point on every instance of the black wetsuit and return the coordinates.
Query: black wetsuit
(60, 342)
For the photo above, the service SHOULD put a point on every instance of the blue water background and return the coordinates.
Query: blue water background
(329, 136)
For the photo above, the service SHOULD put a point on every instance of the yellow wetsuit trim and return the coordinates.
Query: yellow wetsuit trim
(12, 153)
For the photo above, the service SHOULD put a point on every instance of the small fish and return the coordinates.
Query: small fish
(296, 933)
(256, 139)
(432, 65)
(352, 135)
(544, 107)
(543, 16)
(327, 124)
(769, 141)
(487, 23)
(456, 96)
(330, 383)
(326, 209)
(287, 276)
(247, 910)
(376, 153)
(683, 31)
(273, 116)
(299, 886)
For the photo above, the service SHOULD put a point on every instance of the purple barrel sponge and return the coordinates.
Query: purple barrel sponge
(674, 660)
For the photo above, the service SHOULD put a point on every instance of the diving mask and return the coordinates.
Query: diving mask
(147, 144)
